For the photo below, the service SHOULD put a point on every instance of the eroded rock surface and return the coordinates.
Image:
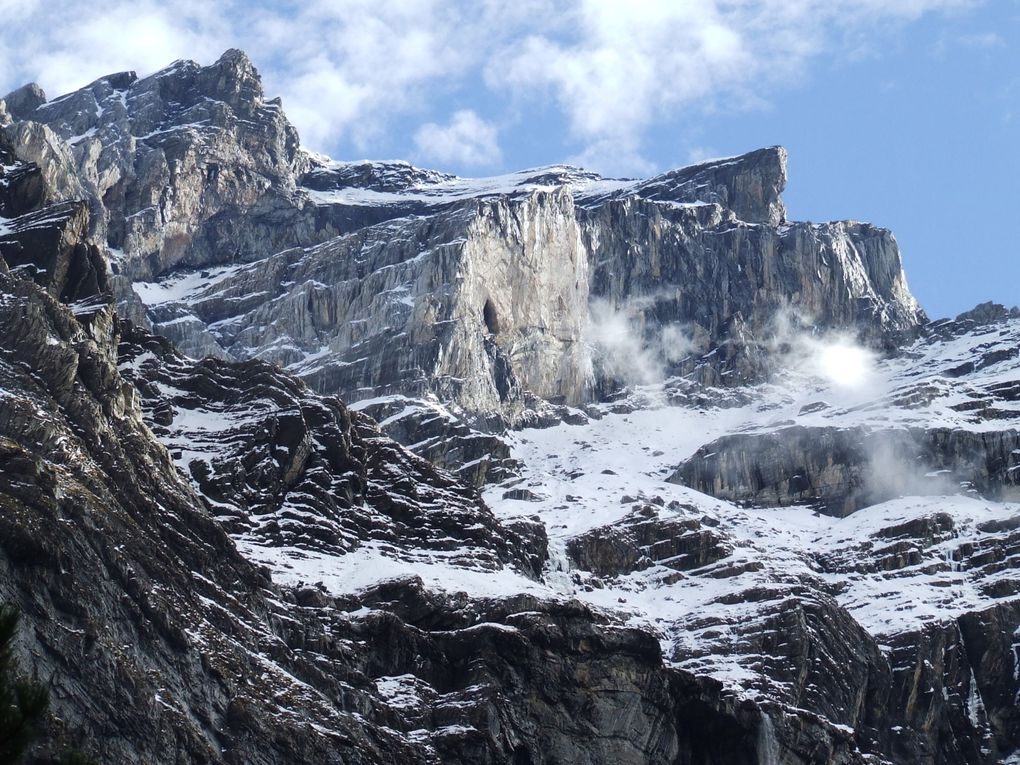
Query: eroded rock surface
(161, 643)
(840, 470)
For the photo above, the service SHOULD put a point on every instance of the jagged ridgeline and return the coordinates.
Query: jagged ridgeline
(220, 556)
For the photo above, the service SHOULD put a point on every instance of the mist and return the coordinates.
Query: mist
(627, 349)
(835, 358)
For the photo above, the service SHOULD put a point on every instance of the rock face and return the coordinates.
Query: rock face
(73, 269)
(643, 539)
(450, 298)
(751, 186)
(485, 302)
(286, 469)
(172, 155)
(222, 557)
(478, 291)
(841, 470)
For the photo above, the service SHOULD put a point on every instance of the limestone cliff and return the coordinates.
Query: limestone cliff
(479, 291)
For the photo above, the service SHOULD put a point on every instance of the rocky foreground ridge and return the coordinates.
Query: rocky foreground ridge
(720, 492)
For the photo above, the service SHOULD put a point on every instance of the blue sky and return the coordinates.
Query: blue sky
(904, 113)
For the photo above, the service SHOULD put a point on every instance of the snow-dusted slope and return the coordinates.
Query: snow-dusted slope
(786, 607)
(714, 580)
(581, 477)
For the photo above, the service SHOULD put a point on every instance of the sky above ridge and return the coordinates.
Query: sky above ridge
(903, 113)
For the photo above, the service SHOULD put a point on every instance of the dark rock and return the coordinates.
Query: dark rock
(842, 470)
(289, 468)
(645, 537)
(25, 100)
(50, 244)
(988, 313)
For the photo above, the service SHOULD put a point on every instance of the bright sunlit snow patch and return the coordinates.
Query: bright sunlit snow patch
(184, 286)
(373, 563)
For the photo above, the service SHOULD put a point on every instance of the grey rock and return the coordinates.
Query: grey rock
(841, 470)
(479, 294)
(51, 244)
(24, 100)
(988, 313)
(291, 469)
(643, 538)
(750, 185)
(167, 156)
(160, 643)
(443, 439)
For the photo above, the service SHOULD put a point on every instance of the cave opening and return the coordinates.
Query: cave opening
(490, 318)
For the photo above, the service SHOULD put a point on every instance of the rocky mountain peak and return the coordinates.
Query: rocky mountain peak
(191, 169)
(234, 80)
(387, 177)
(25, 100)
(750, 184)
(158, 157)
(989, 313)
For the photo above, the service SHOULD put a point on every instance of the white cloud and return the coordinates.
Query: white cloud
(62, 48)
(140, 36)
(617, 156)
(349, 71)
(699, 154)
(467, 140)
(615, 69)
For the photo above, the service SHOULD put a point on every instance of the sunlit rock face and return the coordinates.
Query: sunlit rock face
(173, 157)
(479, 292)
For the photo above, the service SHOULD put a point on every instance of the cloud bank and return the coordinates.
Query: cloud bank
(467, 140)
(448, 78)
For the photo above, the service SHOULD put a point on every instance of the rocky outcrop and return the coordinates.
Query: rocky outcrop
(22, 187)
(839, 470)
(750, 185)
(25, 100)
(72, 269)
(287, 469)
(643, 539)
(953, 684)
(989, 313)
(795, 635)
(430, 430)
(174, 158)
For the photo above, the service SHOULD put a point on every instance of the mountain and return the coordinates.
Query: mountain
(320, 461)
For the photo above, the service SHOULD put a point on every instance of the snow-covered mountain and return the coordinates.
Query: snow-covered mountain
(681, 481)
